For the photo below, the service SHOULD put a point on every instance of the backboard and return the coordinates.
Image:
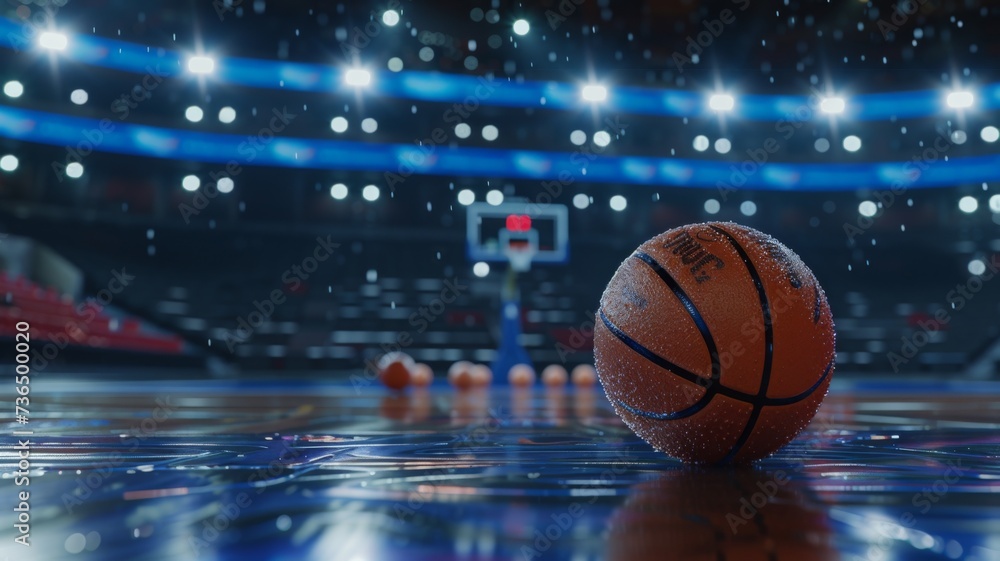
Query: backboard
(499, 233)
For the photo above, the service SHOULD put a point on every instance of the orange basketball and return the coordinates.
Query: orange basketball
(714, 343)
(394, 370)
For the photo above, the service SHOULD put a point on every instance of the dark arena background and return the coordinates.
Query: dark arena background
(222, 220)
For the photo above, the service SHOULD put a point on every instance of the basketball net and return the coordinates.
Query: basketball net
(520, 255)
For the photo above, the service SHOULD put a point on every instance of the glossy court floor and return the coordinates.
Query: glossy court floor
(312, 471)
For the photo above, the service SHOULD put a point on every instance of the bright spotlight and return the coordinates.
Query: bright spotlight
(79, 97)
(358, 77)
(338, 124)
(721, 102)
(191, 183)
(390, 17)
(990, 134)
(194, 114)
(961, 100)
(227, 115)
(723, 145)
(602, 138)
(8, 163)
(74, 170)
(867, 209)
(618, 203)
(52, 40)
(581, 201)
(578, 137)
(369, 125)
(594, 92)
(712, 206)
(977, 267)
(338, 191)
(494, 197)
(466, 197)
(225, 185)
(481, 269)
(463, 130)
(995, 204)
(522, 27)
(370, 193)
(833, 105)
(748, 208)
(13, 88)
(490, 133)
(201, 65)
(852, 143)
(968, 204)
(701, 143)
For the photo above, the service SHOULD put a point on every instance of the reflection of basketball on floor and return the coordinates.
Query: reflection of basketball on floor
(712, 515)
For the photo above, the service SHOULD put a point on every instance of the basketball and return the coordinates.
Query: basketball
(583, 376)
(460, 375)
(554, 375)
(421, 375)
(714, 343)
(394, 370)
(521, 376)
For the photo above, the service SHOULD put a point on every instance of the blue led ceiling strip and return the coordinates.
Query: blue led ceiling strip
(408, 159)
(455, 88)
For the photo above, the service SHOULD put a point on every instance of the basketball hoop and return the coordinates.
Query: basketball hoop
(519, 248)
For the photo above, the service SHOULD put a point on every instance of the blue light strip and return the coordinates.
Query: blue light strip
(407, 159)
(454, 88)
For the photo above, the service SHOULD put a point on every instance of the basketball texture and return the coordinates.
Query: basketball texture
(714, 343)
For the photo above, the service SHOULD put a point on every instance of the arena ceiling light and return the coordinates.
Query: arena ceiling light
(968, 204)
(867, 209)
(581, 201)
(79, 97)
(370, 193)
(227, 115)
(721, 102)
(191, 183)
(225, 185)
(74, 170)
(995, 204)
(338, 191)
(390, 17)
(8, 163)
(194, 114)
(481, 269)
(748, 208)
(713, 206)
(960, 99)
(618, 203)
(977, 267)
(522, 27)
(466, 197)
(594, 92)
(852, 143)
(201, 65)
(990, 134)
(53, 40)
(13, 89)
(358, 77)
(832, 105)
(494, 197)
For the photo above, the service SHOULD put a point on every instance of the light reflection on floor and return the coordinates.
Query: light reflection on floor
(201, 470)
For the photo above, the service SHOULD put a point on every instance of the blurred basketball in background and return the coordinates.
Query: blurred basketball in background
(481, 375)
(521, 375)
(554, 375)
(422, 375)
(394, 370)
(584, 375)
(460, 375)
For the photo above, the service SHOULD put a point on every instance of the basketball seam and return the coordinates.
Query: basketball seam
(720, 389)
(765, 377)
